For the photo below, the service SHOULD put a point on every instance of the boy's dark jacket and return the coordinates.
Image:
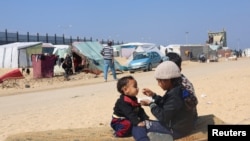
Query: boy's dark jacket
(129, 108)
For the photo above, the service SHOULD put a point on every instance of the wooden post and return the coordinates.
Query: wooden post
(17, 37)
(37, 36)
(6, 36)
(28, 37)
(63, 40)
(55, 39)
(47, 40)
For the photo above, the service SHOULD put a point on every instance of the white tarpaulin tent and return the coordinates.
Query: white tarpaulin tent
(62, 50)
(149, 48)
(126, 50)
(246, 52)
(17, 55)
(144, 47)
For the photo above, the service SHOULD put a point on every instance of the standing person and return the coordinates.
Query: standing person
(127, 113)
(190, 99)
(173, 116)
(166, 51)
(67, 66)
(108, 55)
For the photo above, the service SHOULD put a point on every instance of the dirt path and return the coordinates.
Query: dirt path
(222, 89)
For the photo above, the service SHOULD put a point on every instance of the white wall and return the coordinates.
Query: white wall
(247, 52)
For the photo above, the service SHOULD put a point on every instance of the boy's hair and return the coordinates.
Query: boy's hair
(176, 58)
(123, 82)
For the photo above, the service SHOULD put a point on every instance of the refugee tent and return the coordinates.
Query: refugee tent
(211, 53)
(140, 47)
(126, 50)
(246, 52)
(187, 52)
(18, 54)
(164, 49)
(61, 51)
(149, 48)
(48, 48)
(91, 51)
(43, 65)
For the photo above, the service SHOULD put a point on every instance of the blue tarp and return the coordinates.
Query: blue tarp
(214, 47)
(92, 50)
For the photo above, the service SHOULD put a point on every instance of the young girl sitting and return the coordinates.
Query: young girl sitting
(173, 115)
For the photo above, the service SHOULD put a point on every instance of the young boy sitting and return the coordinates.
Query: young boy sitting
(128, 113)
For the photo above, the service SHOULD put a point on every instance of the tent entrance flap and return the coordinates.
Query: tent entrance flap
(23, 59)
(2, 57)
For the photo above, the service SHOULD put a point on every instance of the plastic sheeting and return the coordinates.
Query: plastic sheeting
(17, 55)
(92, 50)
(43, 65)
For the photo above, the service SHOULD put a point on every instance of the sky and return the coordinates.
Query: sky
(162, 22)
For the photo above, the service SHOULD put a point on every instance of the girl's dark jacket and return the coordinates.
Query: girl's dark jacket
(172, 113)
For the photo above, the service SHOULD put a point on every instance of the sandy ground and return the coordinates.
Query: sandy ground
(86, 102)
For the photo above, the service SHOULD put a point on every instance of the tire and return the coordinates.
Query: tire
(149, 67)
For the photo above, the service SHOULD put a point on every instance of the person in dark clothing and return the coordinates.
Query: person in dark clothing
(190, 98)
(172, 114)
(202, 58)
(67, 66)
(127, 112)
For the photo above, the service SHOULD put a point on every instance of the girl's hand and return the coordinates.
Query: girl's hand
(147, 92)
(145, 102)
(141, 124)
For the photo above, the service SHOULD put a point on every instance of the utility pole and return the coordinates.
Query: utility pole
(186, 37)
(238, 44)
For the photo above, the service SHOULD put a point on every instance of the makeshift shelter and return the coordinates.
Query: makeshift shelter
(126, 50)
(61, 51)
(149, 48)
(246, 52)
(47, 48)
(90, 52)
(43, 65)
(18, 54)
(187, 52)
(210, 52)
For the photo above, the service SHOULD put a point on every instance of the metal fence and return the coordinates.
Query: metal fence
(10, 37)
